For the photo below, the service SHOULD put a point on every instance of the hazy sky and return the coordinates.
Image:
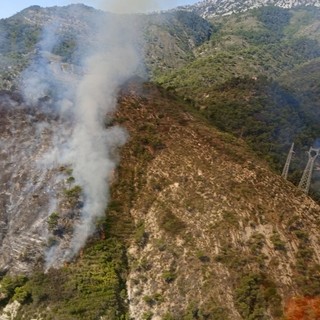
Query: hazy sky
(10, 7)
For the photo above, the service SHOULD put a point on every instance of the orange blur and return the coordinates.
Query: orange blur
(303, 308)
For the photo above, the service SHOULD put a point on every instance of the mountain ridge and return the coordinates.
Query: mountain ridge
(211, 8)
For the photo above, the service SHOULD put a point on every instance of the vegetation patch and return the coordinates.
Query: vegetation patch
(140, 235)
(73, 194)
(170, 223)
(269, 57)
(169, 276)
(92, 287)
(254, 295)
(53, 220)
(156, 298)
(12, 288)
(256, 243)
(278, 244)
(307, 271)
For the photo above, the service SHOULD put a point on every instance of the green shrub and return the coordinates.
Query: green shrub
(9, 285)
(70, 180)
(302, 235)
(256, 243)
(74, 192)
(278, 244)
(147, 315)
(53, 220)
(73, 195)
(202, 257)
(254, 295)
(140, 235)
(171, 223)
(21, 294)
(148, 300)
(169, 276)
(153, 299)
(231, 218)
(168, 316)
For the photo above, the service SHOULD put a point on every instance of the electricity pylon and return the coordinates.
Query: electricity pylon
(305, 181)
(287, 165)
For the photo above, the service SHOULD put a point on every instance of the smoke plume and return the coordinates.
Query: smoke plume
(45, 77)
(115, 59)
(110, 57)
(38, 78)
(134, 6)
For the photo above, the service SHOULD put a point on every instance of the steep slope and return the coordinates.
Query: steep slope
(167, 39)
(25, 187)
(198, 226)
(211, 8)
(268, 41)
(210, 231)
(171, 38)
(242, 80)
(304, 82)
(22, 33)
(212, 222)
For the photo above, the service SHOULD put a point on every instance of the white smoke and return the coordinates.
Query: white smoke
(113, 57)
(45, 77)
(135, 6)
(38, 79)
(91, 142)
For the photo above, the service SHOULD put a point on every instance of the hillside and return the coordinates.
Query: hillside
(210, 215)
(167, 39)
(267, 42)
(211, 8)
(262, 56)
(196, 222)
(170, 39)
(198, 227)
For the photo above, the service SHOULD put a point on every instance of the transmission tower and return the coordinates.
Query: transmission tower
(287, 165)
(305, 181)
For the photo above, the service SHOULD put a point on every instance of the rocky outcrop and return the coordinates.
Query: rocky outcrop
(211, 8)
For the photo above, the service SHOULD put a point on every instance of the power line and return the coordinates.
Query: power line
(287, 165)
(305, 181)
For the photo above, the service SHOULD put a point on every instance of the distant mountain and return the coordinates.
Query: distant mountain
(168, 39)
(210, 8)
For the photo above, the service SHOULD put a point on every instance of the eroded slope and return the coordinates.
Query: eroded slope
(217, 234)
(210, 232)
